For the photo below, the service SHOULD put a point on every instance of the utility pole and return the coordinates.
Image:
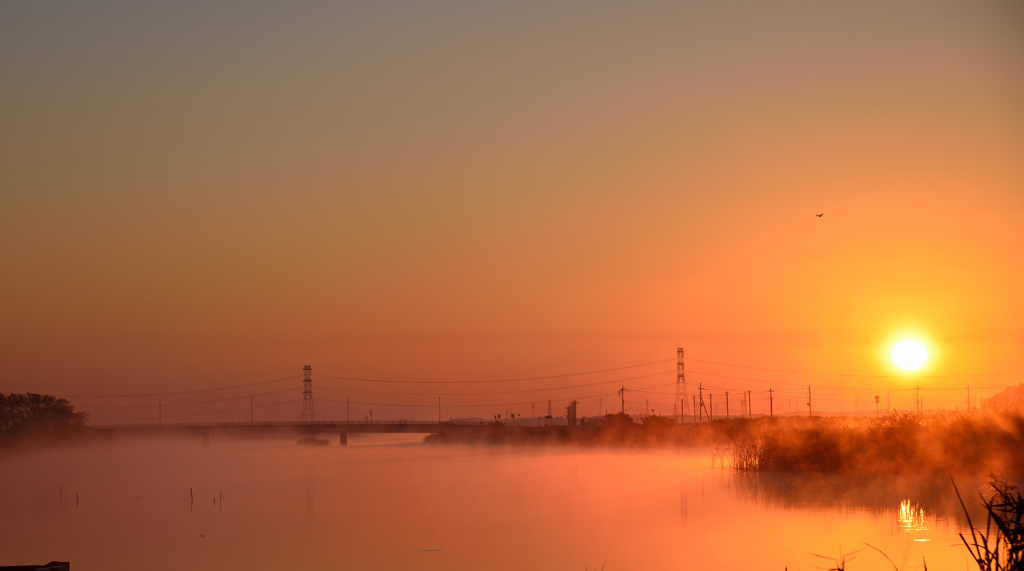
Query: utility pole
(771, 405)
(726, 404)
(810, 411)
(700, 395)
(622, 397)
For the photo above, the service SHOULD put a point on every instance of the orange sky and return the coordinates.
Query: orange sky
(198, 196)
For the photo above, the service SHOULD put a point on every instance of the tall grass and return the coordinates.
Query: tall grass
(1000, 546)
(939, 444)
(898, 443)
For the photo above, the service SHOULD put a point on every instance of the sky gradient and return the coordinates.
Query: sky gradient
(206, 194)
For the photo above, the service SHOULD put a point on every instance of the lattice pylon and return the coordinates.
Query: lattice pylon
(681, 384)
(307, 395)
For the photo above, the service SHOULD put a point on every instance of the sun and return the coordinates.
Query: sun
(909, 354)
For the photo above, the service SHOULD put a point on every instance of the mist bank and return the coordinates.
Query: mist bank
(968, 444)
(975, 443)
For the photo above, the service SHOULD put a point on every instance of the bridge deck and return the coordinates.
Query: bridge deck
(290, 427)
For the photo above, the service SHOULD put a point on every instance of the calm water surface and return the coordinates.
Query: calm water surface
(389, 502)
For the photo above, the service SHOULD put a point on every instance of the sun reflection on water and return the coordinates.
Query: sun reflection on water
(911, 517)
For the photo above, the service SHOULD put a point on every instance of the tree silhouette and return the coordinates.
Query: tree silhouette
(33, 412)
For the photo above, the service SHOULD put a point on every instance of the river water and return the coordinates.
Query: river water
(390, 502)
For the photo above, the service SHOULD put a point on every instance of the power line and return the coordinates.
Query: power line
(496, 380)
(180, 392)
(861, 387)
(590, 397)
(787, 387)
(190, 403)
(747, 378)
(856, 374)
(216, 411)
(499, 392)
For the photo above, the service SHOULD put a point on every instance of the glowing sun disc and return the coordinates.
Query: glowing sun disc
(909, 355)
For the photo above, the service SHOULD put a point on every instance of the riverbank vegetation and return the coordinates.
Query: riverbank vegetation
(30, 419)
(899, 443)
(977, 443)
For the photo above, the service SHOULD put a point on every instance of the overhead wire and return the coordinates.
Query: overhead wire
(854, 374)
(292, 378)
(169, 405)
(510, 380)
(785, 388)
(447, 405)
(499, 392)
(174, 393)
(217, 411)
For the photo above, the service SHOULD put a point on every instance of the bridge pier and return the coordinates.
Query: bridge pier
(343, 438)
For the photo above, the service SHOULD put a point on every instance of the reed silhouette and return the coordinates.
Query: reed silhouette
(899, 443)
(974, 443)
(1000, 546)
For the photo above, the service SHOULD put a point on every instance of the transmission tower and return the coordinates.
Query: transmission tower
(680, 384)
(307, 395)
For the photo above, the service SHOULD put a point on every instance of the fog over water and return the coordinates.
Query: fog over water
(390, 502)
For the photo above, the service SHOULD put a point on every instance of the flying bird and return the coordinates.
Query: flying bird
(820, 215)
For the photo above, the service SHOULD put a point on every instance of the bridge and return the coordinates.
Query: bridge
(341, 428)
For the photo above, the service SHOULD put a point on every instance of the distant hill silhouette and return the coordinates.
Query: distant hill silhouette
(1010, 398)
